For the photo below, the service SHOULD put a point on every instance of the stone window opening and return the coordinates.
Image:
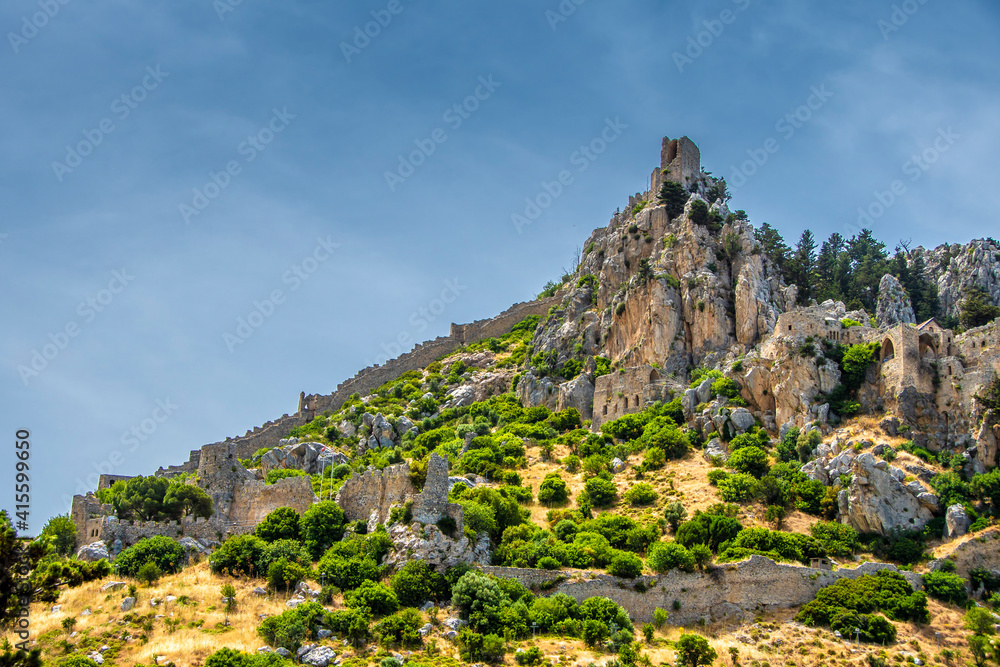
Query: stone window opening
(888, 350)
(626, 402)
(605, 409)
(637, 400)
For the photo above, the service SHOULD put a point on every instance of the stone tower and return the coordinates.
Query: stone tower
(680, 162)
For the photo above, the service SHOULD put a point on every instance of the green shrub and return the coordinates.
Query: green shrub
(946, 586)
(553, 490)
(475, 647)
(725, 387)
(377, 598)
(641, 494)
(416, 582)
(284, 575)
(654, 458)
(149, 573)
(694, 650)
(712, 530)
(273, 476)
(283, 523)
(626, 565)
(837, 539)
(166, 554)
(666, 556)
(739, 487)
(602, 492)
(750, 460)
(885, 591)
(322, 525)
(348, 572)
(400, 629)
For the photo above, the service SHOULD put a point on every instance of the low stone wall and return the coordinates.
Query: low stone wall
(131, 532)
(731, 591)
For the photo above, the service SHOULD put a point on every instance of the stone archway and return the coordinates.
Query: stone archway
(888, 350)
(927, 347)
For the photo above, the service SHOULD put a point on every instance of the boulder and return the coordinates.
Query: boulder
(577, 393)
(956, 522)
(705, 391)
(716, 449)
(742, 419)
(689, 402)
(877, 501)
(617, 465)
(320, 656)
(128, 604)
(93, 552)
(113, 586)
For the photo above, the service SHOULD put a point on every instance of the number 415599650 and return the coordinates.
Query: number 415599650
(23, 488)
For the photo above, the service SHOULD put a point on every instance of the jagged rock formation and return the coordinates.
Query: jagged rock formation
(956, 268)
(310, 457)
(876, 501)
(429, 544)
(893, 303)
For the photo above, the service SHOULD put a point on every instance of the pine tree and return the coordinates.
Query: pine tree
(829, 267)
(772, 245)
(674, 196)
(802, 267)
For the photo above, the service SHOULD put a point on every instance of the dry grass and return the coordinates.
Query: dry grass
(186, 645)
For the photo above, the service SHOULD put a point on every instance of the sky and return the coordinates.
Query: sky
(210, 206)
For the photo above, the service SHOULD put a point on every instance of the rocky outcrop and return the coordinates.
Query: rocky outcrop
(894, 304)
(309, 457)
(956, 522)
(956, 268)
(429, 544)
(878, 502)
(93, 552)
(577, 393)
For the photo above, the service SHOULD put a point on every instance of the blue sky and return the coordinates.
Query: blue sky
(143, 104)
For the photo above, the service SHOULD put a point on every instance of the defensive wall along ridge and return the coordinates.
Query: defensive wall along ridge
(727, 591)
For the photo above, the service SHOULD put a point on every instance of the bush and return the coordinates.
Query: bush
(626, 565)
(674, 513)
(738, 488)
(750, 460)
(885, 591)
(553, 490)
(348, 572)
(416, 582)
(377, 598)
(474, 647)
(400, 629)
(838, 539)
(725, 387)
(288, 629)
(284, 575)
(654, 458)
(641, 494)
(601, 492)
(240, 555)
(946, 587)
(694, 651)
(283, 523)
(548, 563)
(666, 556)
(149, 573)
(163, 551)
(322, 525)
(712, 530)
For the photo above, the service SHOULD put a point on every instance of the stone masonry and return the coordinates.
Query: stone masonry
(373, 494)
(731, 591)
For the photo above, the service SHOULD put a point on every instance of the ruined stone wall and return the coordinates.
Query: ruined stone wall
(130, 532)
(624, 392)
(814, 322)
(88, 514)
(734, 590)
(423, 354)
(190, 466)
(106, 481)
(980, 347)
(680, 160)
(374, 492)
(254, 500)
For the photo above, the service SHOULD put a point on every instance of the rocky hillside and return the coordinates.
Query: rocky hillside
(689, 438)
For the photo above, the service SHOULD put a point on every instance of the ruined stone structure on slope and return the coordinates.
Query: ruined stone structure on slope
(372, 495)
